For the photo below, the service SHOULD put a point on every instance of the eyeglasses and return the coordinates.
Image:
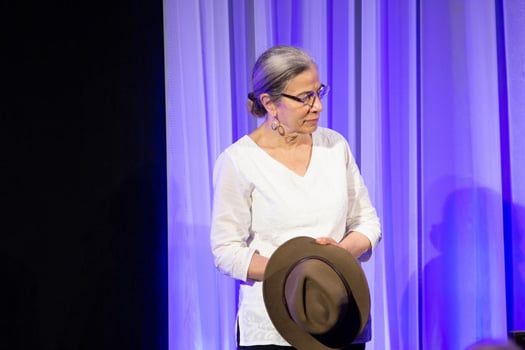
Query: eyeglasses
(308, 98)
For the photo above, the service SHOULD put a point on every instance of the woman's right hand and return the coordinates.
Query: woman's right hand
(257, 267)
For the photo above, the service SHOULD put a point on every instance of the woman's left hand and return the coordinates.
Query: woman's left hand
(355, 242)
(326, 241)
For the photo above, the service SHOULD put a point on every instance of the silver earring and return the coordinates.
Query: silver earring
(275, 124)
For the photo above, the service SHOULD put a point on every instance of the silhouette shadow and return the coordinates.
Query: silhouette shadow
(472, 265)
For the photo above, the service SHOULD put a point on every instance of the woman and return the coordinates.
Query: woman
(287, 178)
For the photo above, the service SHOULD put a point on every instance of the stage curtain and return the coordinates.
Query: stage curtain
(430, 95)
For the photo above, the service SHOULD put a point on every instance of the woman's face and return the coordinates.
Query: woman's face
(295, 116)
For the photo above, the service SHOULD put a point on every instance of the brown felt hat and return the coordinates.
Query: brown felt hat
(316, 295)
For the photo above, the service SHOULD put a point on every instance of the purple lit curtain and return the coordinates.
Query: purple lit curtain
(431, 96)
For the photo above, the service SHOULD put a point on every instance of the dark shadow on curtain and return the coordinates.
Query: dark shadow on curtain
(457, 292)
(515, 264)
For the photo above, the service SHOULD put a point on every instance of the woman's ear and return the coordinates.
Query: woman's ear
(268, 104)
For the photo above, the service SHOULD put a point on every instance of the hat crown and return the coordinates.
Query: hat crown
(316, 296)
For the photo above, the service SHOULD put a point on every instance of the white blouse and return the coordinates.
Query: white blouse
(259, 204)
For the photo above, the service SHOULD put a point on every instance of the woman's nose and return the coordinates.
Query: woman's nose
(317, 105)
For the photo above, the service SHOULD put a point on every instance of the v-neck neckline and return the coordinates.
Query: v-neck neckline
(282, 165)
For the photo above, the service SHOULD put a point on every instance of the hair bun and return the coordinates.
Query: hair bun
(254, 106)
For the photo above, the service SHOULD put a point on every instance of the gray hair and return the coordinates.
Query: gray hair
(272, 71)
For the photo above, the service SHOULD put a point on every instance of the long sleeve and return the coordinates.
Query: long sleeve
(231, 220)
(362, 216)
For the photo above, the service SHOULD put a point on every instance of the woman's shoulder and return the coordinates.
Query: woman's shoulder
(242, 145)
(243, 148)
(326, 136)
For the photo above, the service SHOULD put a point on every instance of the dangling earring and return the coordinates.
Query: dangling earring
(280, 130)
(275, 124)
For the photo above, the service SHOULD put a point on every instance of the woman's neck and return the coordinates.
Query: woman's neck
(265, 136)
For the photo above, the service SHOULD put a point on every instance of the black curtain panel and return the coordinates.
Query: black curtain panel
(83, 176)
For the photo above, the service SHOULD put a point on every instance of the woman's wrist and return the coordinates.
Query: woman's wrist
(356, 243)
(257, 267)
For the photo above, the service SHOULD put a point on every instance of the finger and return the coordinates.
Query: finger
(326, 241)
(321, 240)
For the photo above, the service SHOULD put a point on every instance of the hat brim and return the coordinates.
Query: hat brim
(273, 289)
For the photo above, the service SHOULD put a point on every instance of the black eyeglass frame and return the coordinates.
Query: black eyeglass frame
(320, 93)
